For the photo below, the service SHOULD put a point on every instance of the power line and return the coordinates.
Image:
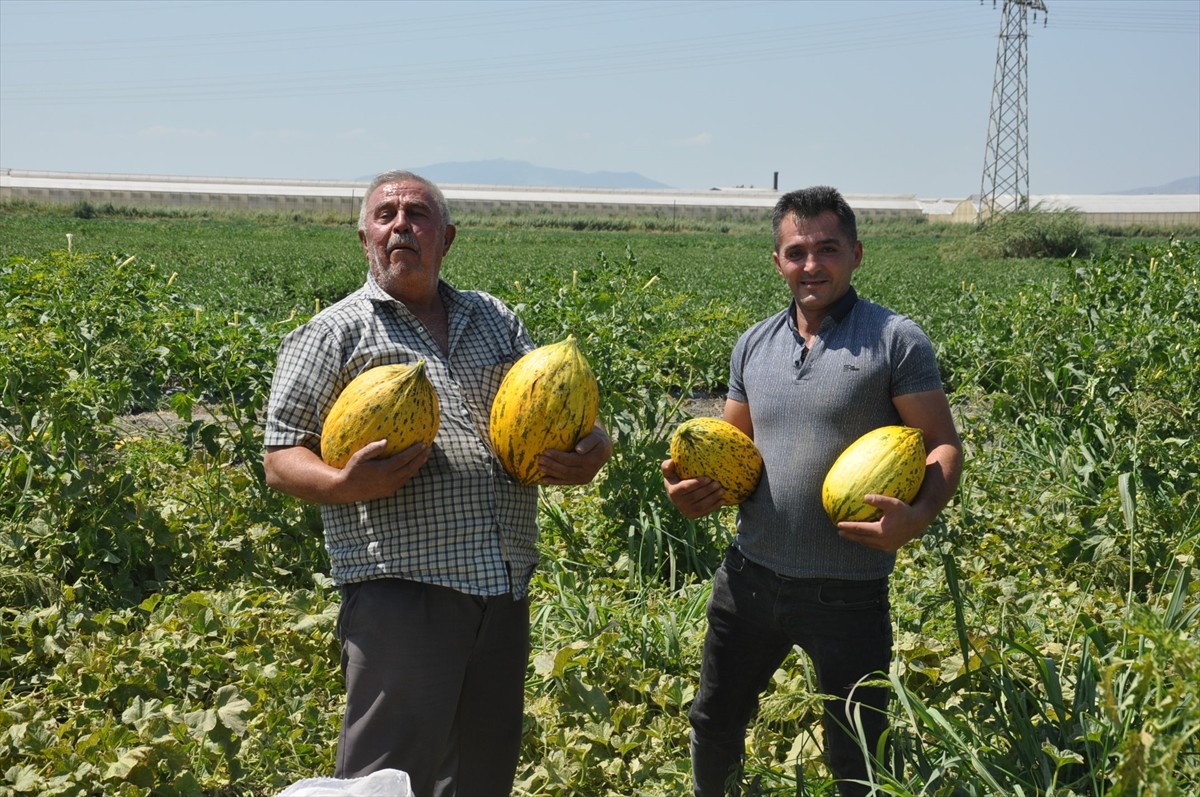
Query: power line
(610, 60)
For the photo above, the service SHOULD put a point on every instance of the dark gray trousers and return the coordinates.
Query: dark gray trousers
(435, 686)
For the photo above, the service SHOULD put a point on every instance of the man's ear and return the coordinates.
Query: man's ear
(362, 239)
(448, 238)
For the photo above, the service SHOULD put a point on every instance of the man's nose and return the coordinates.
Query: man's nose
(400, 221)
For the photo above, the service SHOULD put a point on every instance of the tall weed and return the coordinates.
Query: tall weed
(647, 344)
(1035, 232)
(1067, 556)
(1102, 707)
(1073, 388)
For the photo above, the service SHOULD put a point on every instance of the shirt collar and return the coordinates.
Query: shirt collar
(449, 294)
(837, 314)
(842, 307)
(376, 293)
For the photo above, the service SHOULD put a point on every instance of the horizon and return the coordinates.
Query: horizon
(1187, 186)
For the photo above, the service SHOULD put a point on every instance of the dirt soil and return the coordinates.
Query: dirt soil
(159, 421)
(705, 407)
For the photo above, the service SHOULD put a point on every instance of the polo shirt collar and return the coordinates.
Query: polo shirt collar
(841, 308)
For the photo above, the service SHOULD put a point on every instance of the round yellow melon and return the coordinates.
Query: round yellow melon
(396, 402)
(715, 448)
(548, 399)
(889, 461)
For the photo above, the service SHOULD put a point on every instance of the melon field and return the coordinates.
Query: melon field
(166, 620)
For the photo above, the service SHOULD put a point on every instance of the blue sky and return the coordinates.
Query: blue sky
(873, 96)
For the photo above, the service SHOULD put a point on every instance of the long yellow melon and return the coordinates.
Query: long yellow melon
(548, 399)
(889, 460)
(715, 448)
(396, 402)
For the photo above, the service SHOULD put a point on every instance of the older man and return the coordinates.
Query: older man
(433, 548)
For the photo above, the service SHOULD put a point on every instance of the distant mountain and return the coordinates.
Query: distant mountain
(1187, 185)
(509, 172)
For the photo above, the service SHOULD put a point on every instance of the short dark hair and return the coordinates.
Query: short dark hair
(808, 203)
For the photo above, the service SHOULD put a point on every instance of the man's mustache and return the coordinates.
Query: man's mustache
(407, 240)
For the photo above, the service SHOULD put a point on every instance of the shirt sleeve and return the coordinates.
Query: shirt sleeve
(915, 366)
(737, 387)
(303, 387)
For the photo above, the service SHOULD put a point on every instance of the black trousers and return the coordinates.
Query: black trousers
(755, 617)
(435, 686)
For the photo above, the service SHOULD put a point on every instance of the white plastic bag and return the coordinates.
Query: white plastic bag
(384, 783)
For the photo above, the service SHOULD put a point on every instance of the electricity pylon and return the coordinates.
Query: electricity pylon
(1005, 183)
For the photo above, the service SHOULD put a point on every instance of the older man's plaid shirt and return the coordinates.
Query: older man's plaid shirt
(462, 522)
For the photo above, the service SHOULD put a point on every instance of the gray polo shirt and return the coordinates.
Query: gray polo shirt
(806, 408)
(461, 522)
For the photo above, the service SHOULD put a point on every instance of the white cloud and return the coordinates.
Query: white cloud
(698, 140)
(280, 135)
(165, 131)
(356, 133)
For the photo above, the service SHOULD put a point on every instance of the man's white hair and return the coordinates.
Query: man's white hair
(401, 176)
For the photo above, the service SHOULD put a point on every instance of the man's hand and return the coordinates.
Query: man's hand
(369, 475)
(694, 498)
(899, 525)
(580, 465)
(299, 472)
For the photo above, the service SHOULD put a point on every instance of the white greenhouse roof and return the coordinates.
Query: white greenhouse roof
(22, 182)
(1120, 203)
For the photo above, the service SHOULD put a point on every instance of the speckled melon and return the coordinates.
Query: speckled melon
(548, 399)
(889, 461)
(396, 402)
(717, 449)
